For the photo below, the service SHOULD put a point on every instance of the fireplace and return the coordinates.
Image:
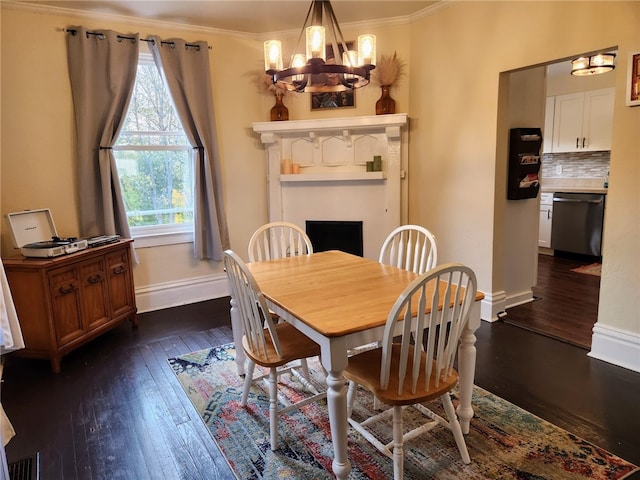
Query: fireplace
(333, 185)
(335, 235)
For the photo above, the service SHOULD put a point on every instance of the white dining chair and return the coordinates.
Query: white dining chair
(278, 240)
(410, 247)
(431, 312)
(268, 344)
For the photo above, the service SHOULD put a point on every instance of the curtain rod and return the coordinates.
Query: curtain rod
(73, 31)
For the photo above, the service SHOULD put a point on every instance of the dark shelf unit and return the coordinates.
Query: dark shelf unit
(524, 163)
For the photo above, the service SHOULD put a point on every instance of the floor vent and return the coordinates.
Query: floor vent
(25, 469)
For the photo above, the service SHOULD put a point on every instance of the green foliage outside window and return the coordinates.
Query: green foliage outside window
(153, 156)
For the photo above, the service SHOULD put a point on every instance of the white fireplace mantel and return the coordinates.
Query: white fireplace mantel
(333, 182)
(391, 124)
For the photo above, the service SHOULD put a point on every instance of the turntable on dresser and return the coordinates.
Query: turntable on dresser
(31, 229)
(54, 247)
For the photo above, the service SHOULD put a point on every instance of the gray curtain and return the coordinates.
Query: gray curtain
(102, 69)
(185, 68)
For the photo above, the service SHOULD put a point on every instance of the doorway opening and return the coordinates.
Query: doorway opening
(559, 302)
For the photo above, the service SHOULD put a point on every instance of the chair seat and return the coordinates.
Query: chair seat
(295, 345)
(364, 368)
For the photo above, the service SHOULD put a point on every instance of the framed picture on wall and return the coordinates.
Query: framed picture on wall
(321, 101)
(324, 100)
(633, 80)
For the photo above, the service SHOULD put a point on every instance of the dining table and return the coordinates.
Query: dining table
(342, 301)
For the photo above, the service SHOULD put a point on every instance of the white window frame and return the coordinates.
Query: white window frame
(158, 235)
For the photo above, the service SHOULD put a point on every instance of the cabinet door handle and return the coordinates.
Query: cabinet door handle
(548, 214)
(69, 289)
(119, 270)
(577, 142)
(95, 279)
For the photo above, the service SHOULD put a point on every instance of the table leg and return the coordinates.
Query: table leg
(238, 331)
(337, 405)
(467, 369)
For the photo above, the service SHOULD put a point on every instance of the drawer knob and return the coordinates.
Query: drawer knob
(71, 288)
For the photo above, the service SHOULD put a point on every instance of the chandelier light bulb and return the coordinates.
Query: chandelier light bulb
(350, 59)
(298, 61)
(367, 49)
(272, 55)
(315, 42)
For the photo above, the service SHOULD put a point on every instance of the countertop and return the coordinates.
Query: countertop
(573, 185)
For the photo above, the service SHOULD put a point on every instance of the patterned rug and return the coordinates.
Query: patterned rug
(593, 269)
(505, 442)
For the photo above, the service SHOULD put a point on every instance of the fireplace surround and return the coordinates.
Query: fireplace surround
(333, 183)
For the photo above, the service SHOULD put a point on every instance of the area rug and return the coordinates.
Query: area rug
(505, 442)
(593, 269)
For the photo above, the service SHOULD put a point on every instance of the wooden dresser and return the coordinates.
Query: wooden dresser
(64, 302)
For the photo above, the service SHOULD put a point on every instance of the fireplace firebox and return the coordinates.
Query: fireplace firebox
(335, 235)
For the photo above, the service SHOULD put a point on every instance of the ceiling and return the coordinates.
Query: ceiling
(249, 16)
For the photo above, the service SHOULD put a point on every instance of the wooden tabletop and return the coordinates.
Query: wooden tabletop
(335, 293)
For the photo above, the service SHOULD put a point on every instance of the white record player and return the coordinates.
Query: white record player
(34, 233)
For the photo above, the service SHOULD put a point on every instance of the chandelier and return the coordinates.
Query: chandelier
(593, 65)
(314, 72)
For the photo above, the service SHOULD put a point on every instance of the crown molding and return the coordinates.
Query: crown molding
(182, 27)
(136, 21)
(364, 24)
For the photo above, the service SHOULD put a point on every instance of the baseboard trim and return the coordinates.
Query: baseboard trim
(616, 346)
(183, 292)
(493, 304)
(520, 298)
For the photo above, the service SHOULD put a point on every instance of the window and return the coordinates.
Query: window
(154, 163)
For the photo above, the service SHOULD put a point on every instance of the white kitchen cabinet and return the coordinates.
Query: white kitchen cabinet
(546, 215)
(547, 133)
(583, 121)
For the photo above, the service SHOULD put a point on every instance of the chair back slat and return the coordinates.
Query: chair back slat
(251, 305)
(433, 311)
(410, 247)
(278, 240)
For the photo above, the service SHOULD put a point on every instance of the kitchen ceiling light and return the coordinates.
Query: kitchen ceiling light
(593, 65)
(313, 72)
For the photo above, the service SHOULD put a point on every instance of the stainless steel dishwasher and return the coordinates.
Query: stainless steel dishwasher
(577, 222)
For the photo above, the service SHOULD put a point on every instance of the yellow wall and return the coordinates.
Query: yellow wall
(458, 54)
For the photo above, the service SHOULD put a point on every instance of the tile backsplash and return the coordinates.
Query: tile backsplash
(575, 164)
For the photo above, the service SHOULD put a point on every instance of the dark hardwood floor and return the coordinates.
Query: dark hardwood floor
(566, 305)
(116, 411)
